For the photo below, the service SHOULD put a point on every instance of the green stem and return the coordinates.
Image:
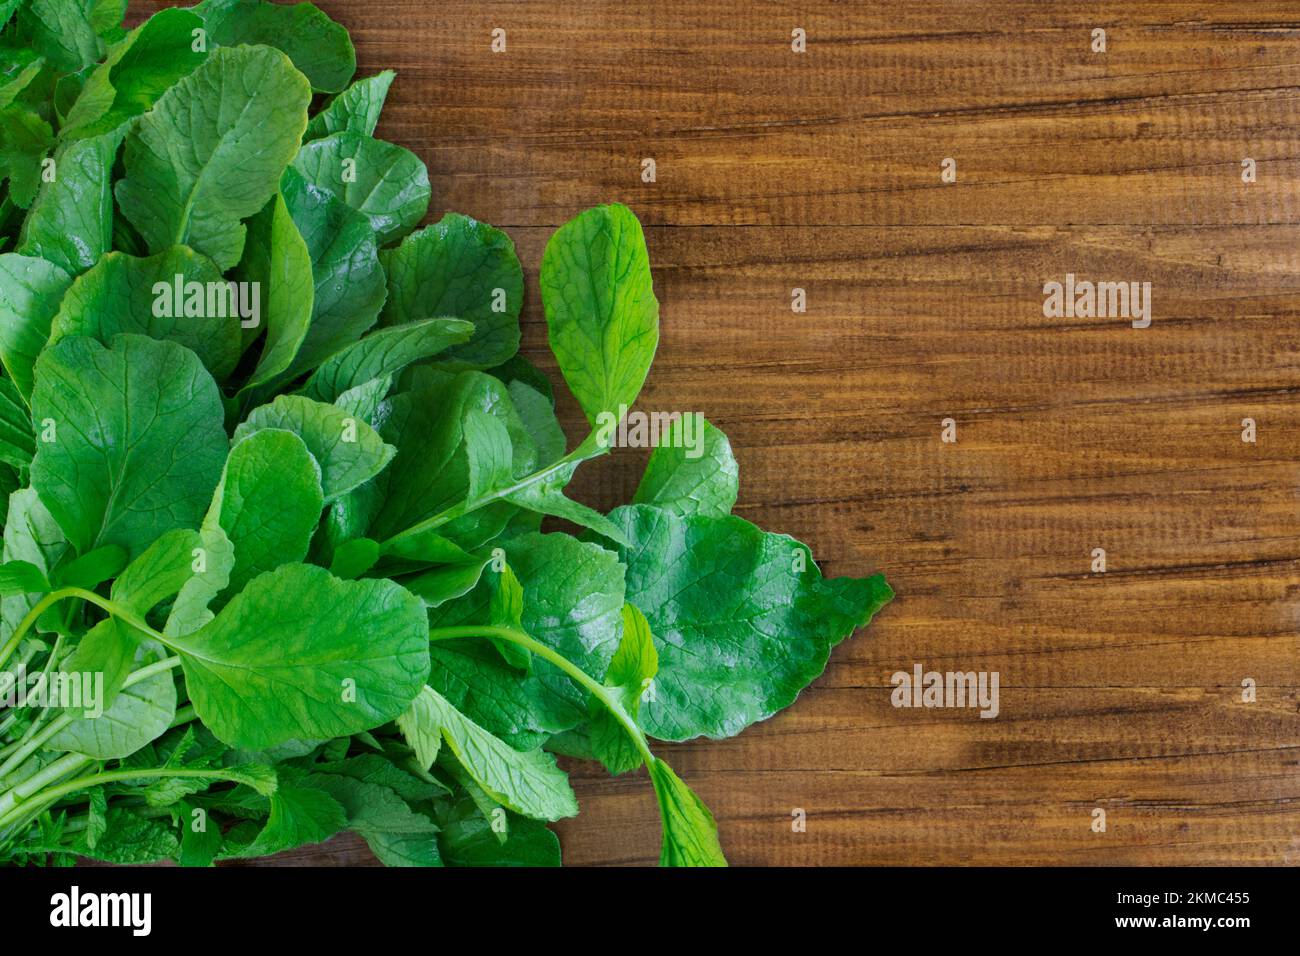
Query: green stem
(16, 759)
(9, 680)
(116, 610)
(44, 681)
(26, 623)
(583, 452)
(76, 761)
(14, 804)
(604, 694)
(183, 716)
(33, 796)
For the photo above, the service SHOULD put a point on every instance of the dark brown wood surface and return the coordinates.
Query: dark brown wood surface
(821, 170)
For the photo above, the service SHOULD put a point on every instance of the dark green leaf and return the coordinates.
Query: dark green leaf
(138, 441)
(467, 840)
(317, 45)
(269, 502)
(742, 619)
(211, 151)
(30, 292)
(385, 183)
(138, 70)
(276, 257)
(348, 451)
(71, 222)
(177, 295)
(356, 108)
(348, 280)
(462, 268)
(383, 353)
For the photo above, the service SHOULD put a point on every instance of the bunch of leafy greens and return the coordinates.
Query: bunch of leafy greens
(304, 555)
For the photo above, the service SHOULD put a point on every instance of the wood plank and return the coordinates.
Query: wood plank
(743, 130)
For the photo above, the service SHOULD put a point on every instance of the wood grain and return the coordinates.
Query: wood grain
(821, 171)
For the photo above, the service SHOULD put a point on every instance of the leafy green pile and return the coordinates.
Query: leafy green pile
(300, 544)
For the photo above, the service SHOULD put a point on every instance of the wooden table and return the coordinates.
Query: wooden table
(821, 170)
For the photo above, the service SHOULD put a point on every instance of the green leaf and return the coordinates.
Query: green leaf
(7, 10)
(382, 353)
(690, 832)
(25, 138)
(519, 369)
(547, 497)
(363, 400)
(212, 150)
(356, 108)
(61, 31)
(30, 534)
(177, 296)
(318, 46)
(488, 452)
(300, 816)
(397, 835)
(348, 280)
(30, 292)
(538, 415)
(300, 654)
(430, 473)
(455, 268)
(96, 816)
(743, 620)
(467, 840)
(384, 182)
(106, 16)
(348, 451)
(438, 585)
(703, 479)
(21, 577)
(108, 649)
(527, 782)
(421, 728)
(518, 707)
(200, 842)
(212, 565)
(139, 69)
(138, 443)
(71, 221)
(91, 569)
(167, 791)
(136, 717)
(269, 502)
(160, 572)
(601, 312)
(573, 602)
(131, 839)
(507, 607)
(276, 257)
(379, 768)
(631, 673)
(354, 558)
(17, 439)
